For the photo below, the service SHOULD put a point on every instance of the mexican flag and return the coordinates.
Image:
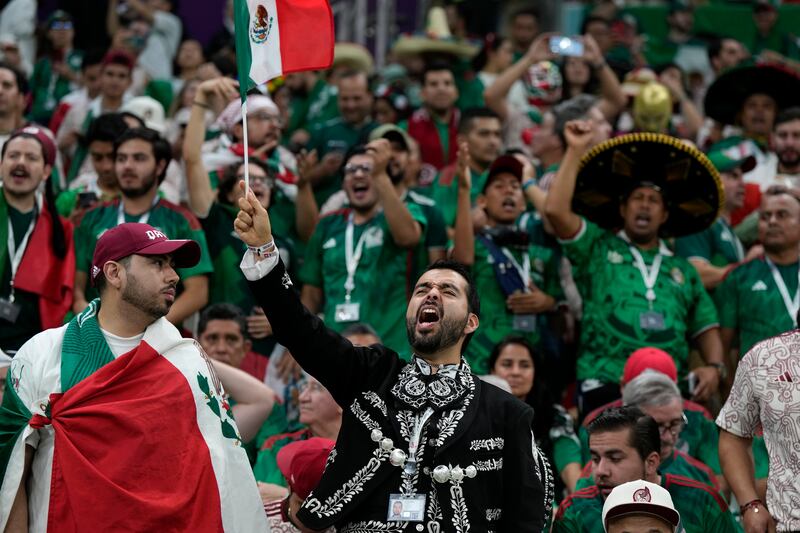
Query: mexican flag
(277, 37)
(142, 442)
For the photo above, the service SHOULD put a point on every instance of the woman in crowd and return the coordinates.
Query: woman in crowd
(516, 361)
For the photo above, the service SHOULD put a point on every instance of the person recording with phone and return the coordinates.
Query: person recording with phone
(565, 50)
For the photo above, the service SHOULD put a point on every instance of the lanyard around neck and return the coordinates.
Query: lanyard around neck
(792, 304)
(649, 275)
(352, 256)
(15, 254)
(143, 218)
(524, 269)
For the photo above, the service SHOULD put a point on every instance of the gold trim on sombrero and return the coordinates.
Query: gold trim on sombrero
(674, 167)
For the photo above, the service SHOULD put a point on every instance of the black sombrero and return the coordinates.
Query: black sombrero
(725, 97)
(689, 182)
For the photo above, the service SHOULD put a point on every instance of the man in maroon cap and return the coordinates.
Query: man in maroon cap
(114, 421)
(37, 261)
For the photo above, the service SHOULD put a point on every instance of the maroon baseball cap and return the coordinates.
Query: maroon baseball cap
(303, 462)
(141, 239)
(44, 137)
(505, 164)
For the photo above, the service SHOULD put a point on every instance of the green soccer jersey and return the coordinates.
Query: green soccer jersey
(336, 135)
(750, 302)
(497, 321)
(718, 245)
(617, 318)
(174, 221)
(48, 87)
(382, 281)
(702, 509)
(435, 236)
(445, 191)
(266, 468)
(227, 283)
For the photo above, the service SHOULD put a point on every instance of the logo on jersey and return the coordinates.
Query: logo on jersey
(759, 286)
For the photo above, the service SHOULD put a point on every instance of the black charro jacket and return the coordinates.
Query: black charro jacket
(488, 431)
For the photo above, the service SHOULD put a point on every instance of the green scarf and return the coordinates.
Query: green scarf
(84, 349)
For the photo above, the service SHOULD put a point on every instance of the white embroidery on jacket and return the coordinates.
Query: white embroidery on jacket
(487, 444)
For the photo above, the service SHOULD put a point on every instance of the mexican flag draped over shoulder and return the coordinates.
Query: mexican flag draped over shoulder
(277, 37)
(142, 442)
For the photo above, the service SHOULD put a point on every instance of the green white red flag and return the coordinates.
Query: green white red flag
(277, 37)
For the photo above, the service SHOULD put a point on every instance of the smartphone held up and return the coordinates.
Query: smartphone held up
(566, 46)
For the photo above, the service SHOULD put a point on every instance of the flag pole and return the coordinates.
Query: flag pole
(246, 149)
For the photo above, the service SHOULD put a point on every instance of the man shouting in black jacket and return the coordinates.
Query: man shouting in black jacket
(424, 446)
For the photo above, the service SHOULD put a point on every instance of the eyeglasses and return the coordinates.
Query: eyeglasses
(353, 169)
(265, 116)
(61, 25)
(674, 427)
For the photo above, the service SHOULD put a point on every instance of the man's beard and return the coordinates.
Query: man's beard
(135, 295)
(789, 158)
(138, 192)
(449, 332)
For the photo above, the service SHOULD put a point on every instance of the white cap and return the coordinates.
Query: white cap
(149, 110)
(640, 497)
(232, 115)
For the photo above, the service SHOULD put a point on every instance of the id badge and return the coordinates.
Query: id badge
(404, 508)
(9, 311)
(348, 312)
(652, 321)
(526, 323)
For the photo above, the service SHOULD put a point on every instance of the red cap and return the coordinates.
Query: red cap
(303, 462)
(119, 57)
(505, 164)
(44, 137)
(141, 239)
(651, 358)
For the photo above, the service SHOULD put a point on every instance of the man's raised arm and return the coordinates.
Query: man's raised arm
(558, 208)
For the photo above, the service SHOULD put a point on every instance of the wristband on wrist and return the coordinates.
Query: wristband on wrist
(752, 504)
(721, 368)
(201, 104)
(598, 66)
(265, 250)
(528, 184)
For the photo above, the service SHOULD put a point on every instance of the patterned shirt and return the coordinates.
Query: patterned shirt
(616, 311)
(701, 507)
(766, 394)
(749, 301)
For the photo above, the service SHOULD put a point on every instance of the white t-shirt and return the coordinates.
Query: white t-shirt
(162, 45)
(121, 345)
